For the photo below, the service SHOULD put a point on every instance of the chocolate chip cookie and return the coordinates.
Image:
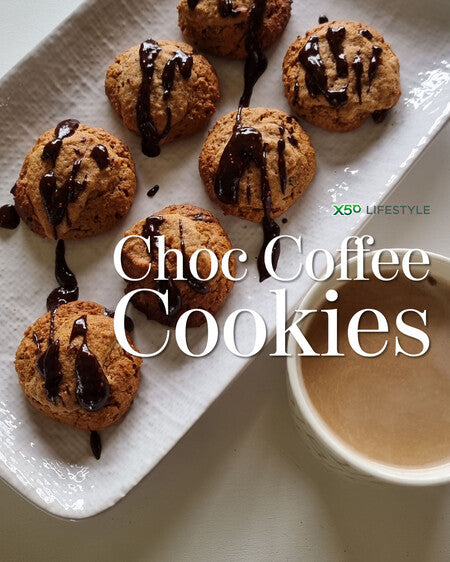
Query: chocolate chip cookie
(339, 74)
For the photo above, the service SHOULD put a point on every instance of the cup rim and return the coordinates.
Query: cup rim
(426, 476)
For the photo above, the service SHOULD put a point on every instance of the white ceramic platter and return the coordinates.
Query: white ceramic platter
(51, 464)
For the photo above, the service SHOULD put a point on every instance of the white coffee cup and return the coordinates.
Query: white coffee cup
(322, 440)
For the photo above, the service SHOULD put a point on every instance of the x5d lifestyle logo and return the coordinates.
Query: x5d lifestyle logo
(346, 209)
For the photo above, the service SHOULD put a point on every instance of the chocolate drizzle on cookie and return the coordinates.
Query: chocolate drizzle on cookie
(246, 145)
(56, 199)
(225, 8)
(335, 38)
(151, 230)
(375, 62)
(315, 72)
(100, 155)
(281, 146)
(47, 362)
(316, 76)
(196, 285)
(148, 53)
(68, 286)
(366, 33)
(358, 69)
(183, 62)
(63, 130)
(92, 390)
(323, 19)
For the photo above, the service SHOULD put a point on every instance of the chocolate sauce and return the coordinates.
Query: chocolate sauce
(151, 230)
(358, 69)
(51, 150)
(183, 62)
(56, 199)
(281, 145)
(66, 128)
(245, 147)
(192, 4)
(316, 77)
(96, 444)
(196, 285)
(284, 221)
(63, 130)
(256, 61)
(375, 62)
(380, 115)
(148, 52)
(68, 286)
(92, 388)
(47, 362)
(8, 217)
(153, 191)
(100, 155)
(129, 324)
(226, 9)
(323, 19)
(335, 38)
(366, 33)
(13, 189)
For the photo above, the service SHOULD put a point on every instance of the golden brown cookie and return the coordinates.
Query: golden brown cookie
(162, 90)
(220, 26)
(186, 228)
(72, 369)
(268, 144)
(77, 181)
(341, 73)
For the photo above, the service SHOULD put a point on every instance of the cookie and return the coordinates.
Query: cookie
(162, 90)
(258, 167)
(220, 27)
(341, 73)
(186, 228)
(72, 369)
(77, 181)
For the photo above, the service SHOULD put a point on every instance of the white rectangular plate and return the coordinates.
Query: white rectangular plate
(51, 464)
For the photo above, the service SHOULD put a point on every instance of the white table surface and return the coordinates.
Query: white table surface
(240, 485)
